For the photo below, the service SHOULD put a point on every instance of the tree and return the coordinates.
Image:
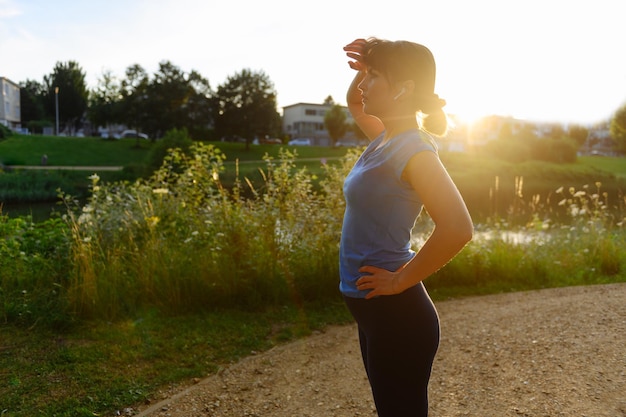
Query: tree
(198, 107)
(32, 110)
(618, 129)
(171, 99)
(335, 123)
(245, 106)
(105, 101)
(133, 90)
(67, 84)
(578, 134)
(177, 101)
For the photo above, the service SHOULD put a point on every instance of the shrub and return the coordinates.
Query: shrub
(173, 139)
(5, 132)
(33, 265)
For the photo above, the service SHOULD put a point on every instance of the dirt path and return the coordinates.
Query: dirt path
(548, 353)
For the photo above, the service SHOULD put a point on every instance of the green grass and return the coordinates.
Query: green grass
(100, 368)
(617, 166)
(72, 151)
(475, 175)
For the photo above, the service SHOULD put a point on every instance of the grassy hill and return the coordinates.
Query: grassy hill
(489, 185)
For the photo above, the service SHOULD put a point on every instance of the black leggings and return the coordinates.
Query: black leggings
(399, 337)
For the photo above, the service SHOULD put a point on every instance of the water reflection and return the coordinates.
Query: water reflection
(519, 237)
(39, 211)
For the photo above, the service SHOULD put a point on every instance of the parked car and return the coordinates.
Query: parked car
(300, 142)
(134, 134)
(271, 141)
(348, 143)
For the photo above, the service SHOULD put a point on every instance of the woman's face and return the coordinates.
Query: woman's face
(379, 96)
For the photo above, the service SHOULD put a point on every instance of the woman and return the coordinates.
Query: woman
(397, 175)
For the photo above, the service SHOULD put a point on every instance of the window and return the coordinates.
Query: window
(310, 112)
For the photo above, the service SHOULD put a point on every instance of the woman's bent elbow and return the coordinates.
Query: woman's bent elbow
(465, 233)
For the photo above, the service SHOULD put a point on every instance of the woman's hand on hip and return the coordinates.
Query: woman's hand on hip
(380, 281)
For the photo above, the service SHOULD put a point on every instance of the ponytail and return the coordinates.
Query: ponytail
(433, 119)
(435, 123)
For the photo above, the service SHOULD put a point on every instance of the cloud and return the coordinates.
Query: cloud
(8, 9)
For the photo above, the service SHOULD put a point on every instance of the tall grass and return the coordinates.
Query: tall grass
(576, 240)
(181, 242)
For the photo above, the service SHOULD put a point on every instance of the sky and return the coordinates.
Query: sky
(540, 60)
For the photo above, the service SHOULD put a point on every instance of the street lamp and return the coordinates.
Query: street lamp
(56, 104)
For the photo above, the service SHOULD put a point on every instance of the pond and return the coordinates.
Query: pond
(514, 237)
(39, 211)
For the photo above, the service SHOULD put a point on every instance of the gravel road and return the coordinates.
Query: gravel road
(548, 353)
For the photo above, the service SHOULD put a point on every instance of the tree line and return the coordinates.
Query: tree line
(244, 106)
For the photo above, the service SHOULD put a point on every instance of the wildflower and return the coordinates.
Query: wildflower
(84, 218)
(94, 177)
(559, 190)
(579, 194)
(152, 220)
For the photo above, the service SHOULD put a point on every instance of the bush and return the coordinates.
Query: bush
(5, 132)
(33, 265)
(173, 139)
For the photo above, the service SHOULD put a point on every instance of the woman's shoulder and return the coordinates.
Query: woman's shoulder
(416, 140)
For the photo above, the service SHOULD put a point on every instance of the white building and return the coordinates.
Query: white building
(306, 120)
(10, 114)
